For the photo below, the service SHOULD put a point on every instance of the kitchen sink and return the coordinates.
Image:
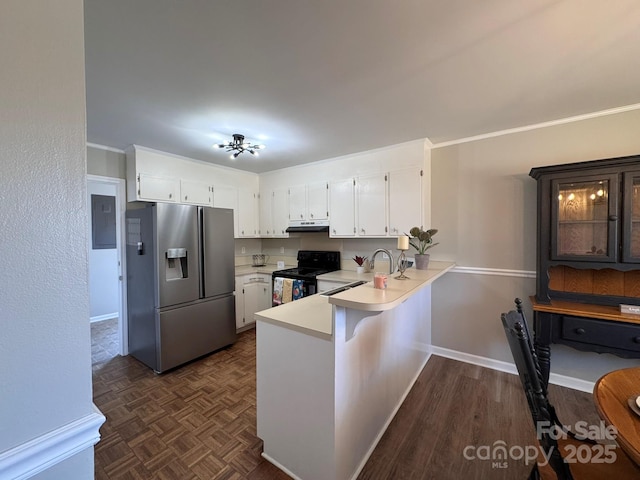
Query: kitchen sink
(343, 288)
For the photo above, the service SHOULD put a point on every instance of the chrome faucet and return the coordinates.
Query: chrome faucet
(382, 250)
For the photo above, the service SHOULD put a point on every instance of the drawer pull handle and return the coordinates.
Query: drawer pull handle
(636, 339)
(580, 331)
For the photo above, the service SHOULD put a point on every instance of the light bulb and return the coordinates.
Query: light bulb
(571, 196)
(592, 196)
(560, 197)
(600, 192)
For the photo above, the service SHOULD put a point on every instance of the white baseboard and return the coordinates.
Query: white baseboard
(562, 380)
(102, 318)
(37, 455)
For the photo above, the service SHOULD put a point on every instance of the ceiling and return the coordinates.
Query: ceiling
(320, 79)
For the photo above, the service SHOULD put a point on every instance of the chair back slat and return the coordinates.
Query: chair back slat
(521, 346)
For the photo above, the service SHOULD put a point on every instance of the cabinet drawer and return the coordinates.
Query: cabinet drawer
(601, 332)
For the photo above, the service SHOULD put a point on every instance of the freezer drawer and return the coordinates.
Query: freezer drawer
(194, 330)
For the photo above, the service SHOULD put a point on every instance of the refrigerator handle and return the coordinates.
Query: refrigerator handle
(201, 244)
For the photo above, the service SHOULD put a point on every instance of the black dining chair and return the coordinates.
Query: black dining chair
(586, 466)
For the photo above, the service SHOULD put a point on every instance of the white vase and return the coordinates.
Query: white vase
(422, 261)
(359, 269)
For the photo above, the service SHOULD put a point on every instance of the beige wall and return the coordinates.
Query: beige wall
(106, 163)
(484, 204)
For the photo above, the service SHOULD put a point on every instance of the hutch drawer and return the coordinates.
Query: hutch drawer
(618, 335)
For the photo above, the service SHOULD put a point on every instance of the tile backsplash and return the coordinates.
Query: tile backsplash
(286, 249)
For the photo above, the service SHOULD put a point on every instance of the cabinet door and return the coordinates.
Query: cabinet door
(264, 296)
(372, 205)
(297, 203)
(225, 196)
(318, 201)
(280, 212)
(155, 188)
(196, 193)
(266, 219)
(584, 216)
(405, 201)
(253, 293)
(342, 219)
(631, 225)
(239, 302)
(247, 209)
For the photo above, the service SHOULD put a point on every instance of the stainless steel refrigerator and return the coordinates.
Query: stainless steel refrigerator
(180, 282)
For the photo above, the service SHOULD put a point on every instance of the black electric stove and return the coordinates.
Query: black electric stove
(311, 263)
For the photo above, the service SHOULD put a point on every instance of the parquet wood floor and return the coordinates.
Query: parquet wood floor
(198, 421)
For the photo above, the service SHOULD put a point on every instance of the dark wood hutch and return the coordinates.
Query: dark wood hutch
(588, 257)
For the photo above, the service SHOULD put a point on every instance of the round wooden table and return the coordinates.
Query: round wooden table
(611, 394)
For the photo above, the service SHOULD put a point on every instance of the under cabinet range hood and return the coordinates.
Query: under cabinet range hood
(309, 226)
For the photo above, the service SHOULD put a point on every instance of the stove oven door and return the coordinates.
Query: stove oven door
(287, 288)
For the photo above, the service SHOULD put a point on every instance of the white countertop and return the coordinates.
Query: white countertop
(370, 299)
(310, 315)
(314, 314)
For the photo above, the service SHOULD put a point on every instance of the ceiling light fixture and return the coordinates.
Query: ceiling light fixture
(238, 146)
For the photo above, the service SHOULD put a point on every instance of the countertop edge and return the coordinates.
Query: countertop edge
(296, 328)
(346, 300)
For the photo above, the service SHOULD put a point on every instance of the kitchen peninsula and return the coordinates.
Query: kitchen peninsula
(333, 370)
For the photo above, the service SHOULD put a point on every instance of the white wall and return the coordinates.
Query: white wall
(45, 348)
(484, 204)
(103, 267)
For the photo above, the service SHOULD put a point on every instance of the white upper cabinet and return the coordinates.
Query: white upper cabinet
(266, 219)
(274, 213)
(309, 202)
(405, 201)
(155, 188)
(247, 213)
(226, 196)
(376, 205)
(298, 202)
(196, 193)
(318, 201)
(342, 219)
(371, 195)
(279, 212)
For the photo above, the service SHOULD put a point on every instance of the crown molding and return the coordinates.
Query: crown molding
(535, 126)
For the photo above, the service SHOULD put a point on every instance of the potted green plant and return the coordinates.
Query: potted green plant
(422, 240)
(361, 263)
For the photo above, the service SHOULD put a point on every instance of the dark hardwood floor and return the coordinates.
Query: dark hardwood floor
(198, 421)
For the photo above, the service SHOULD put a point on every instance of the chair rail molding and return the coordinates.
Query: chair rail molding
(43, 452)
(494, 271)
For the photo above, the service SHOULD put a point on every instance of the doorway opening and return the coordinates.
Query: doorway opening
(107, 284)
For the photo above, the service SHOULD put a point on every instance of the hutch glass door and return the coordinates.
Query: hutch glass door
(583, 220)
(631, 233)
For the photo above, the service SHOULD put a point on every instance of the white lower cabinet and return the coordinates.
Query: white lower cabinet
(253, 293)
